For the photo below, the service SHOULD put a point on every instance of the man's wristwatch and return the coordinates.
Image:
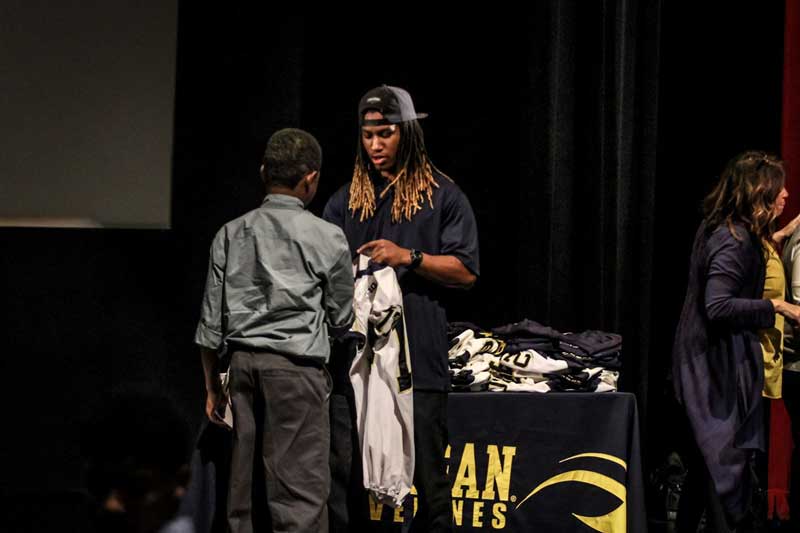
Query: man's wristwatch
(416, 259)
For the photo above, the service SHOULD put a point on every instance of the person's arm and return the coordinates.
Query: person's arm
(456, 265)
(209, 330)
(338, 290)
(793, 257)
(790, 311)
(792, 265)
(730, 264)
(786, 231)
(445, 270)
(457, 262)
(213, 393)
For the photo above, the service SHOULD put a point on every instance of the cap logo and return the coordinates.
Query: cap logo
(373, 99)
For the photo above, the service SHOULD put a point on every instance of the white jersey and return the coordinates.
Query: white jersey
(381, 378)
(532, 364)
(465, 347)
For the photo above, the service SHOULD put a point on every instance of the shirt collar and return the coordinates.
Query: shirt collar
(282, 200)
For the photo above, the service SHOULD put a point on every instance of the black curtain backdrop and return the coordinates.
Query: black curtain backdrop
(584, 133)
(588, 173)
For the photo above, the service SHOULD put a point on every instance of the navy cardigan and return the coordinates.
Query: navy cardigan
(717, 365)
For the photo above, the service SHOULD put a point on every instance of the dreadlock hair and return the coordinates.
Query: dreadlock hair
(413, 183)
(746, 193)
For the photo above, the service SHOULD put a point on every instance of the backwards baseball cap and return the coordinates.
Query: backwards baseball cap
(393, 103)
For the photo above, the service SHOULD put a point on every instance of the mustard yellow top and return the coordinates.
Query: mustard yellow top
(772, 338)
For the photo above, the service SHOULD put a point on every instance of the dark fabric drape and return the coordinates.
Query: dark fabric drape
(590, 171)
(790, 124)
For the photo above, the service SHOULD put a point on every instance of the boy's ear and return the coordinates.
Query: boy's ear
(309, 179)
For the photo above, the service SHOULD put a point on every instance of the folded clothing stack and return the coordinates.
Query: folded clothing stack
(528, 356)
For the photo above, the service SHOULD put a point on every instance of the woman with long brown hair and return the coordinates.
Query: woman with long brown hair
(717, 366)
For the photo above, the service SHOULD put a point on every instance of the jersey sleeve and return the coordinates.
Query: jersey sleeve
(460, 231)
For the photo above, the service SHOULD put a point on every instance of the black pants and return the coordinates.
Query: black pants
(434, 511)
(280, 407)
(348, 500)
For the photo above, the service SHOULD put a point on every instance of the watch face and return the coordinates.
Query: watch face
(416, 258)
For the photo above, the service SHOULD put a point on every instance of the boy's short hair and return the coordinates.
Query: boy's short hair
(290, 154)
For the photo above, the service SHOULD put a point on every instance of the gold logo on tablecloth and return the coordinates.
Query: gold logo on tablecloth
(480, 492)
(612, 522)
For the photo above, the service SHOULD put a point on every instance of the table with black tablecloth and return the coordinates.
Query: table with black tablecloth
(518, 462)
(556, 462)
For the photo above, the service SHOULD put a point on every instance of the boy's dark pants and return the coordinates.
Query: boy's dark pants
(280, 407)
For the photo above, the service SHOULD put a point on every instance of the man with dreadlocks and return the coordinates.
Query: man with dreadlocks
(400, 210)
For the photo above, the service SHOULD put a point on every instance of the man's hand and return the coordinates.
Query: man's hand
(446, 270)
(386, 252)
